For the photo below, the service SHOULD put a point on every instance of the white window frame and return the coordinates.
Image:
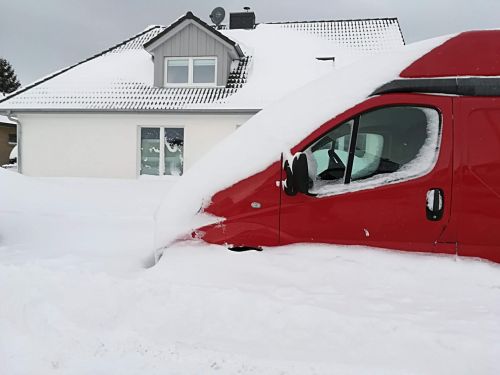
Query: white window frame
(161, 166)
(190, 82)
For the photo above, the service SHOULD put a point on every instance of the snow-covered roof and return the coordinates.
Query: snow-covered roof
(280, 57)
(370, 35)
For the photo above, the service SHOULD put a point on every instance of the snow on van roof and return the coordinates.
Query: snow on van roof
(276, 129)
(280, 57)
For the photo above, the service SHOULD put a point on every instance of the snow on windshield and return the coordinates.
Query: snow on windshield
(276, 129)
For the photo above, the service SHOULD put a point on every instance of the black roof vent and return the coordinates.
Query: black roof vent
(242, 20)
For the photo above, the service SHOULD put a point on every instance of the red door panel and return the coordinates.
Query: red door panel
(477, 193)
(249, 209)
(386, 215)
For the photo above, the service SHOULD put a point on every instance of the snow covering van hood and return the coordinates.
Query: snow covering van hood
(275, 130)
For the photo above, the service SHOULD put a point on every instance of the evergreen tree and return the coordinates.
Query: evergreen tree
(8, 78)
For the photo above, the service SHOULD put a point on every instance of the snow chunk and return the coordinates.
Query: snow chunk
(13, 153)
(5, 119)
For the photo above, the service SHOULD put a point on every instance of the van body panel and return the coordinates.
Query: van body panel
(452, 207)
(389, 215)
(477, 179)
(471, 53)
(250, 209)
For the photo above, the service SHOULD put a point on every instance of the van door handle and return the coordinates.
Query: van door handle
(434, 204)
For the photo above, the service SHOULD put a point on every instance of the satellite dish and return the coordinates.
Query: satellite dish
(217, 15)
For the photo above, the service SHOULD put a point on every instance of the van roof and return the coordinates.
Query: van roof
(467, 64)
(469, 54)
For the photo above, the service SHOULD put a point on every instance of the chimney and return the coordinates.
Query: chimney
(242, 20)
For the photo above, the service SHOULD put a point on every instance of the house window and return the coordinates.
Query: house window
(190, 71)
(178, 71)
(162, 151)
(12, 139)
(204, 71)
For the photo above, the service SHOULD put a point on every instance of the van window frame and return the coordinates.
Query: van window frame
(354, 133)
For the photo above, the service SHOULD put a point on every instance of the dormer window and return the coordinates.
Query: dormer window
(190, 71)
(190, 53)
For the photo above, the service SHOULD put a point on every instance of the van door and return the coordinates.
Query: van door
(379, 175)
(477, 189)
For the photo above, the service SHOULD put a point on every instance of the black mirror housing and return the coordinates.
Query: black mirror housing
(289, 187)
(300, 170)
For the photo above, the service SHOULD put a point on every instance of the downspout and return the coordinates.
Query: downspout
(19, 138)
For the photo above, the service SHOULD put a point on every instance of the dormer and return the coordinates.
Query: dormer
(190, 53)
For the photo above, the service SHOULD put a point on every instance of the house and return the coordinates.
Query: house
(8, 138)
(155, 103)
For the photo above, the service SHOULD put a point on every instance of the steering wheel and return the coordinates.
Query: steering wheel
(336, 167)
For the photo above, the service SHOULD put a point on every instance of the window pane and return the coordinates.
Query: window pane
(204, 71)
(327, 157)
(174, 156)
(177, 71)
(150, 151)
(395, 139)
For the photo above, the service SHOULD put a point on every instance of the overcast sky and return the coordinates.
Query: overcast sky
(41, 36)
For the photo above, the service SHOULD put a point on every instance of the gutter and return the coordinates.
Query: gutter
(227, 111)
(19, 138)
(462, 86)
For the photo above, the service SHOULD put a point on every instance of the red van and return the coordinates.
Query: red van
(414, 167)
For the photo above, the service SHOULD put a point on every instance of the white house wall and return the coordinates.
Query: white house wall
(107, 145)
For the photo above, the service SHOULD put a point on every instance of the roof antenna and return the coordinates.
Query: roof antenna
(217, 16)
(246, 8)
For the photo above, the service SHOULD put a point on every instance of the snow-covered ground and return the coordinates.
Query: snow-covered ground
(76, 297)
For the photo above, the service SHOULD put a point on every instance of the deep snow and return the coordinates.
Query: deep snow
(76, 297)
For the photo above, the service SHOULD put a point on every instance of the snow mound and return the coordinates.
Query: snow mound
(72, 301)
(295, 310)
(83, 219)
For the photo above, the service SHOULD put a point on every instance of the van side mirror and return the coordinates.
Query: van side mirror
(300, 173)
(297, 177)
(288, 186)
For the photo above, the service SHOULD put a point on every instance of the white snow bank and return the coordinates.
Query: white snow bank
(96, 222)
(75, 298)
(279, 127)
(295, 310)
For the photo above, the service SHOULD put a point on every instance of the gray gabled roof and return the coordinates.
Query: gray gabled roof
(203, 25)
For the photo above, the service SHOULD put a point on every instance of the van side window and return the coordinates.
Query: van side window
(392, 144)
(327, 158)
(390, 139)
